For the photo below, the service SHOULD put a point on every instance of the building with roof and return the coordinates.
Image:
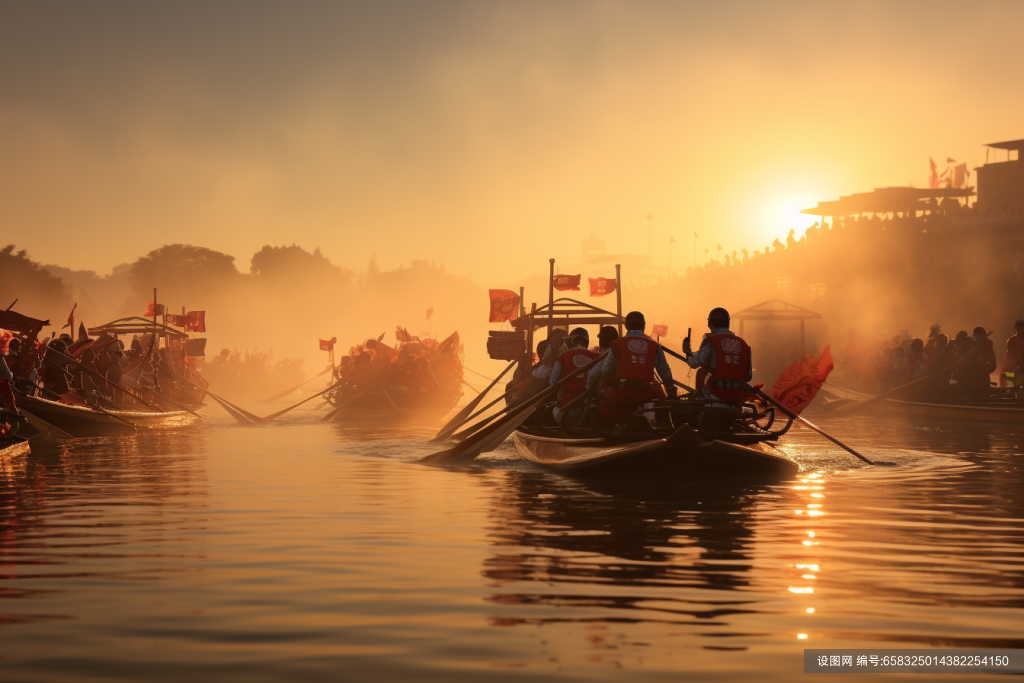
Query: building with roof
(1001, 183)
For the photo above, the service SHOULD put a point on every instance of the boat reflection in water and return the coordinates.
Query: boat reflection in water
(634, 552)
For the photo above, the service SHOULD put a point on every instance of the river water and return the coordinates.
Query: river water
(309, 551)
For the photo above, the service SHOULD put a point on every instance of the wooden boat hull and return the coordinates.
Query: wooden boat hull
(929, 410)
(601, 456)
(80, 421)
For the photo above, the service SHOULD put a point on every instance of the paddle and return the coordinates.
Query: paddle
(235, 411)
(101, 377)
(42, 425)
(806, 423)
(490, 437)
(461, 417)
(279, 413)
(793, 415)
(161, 397)
(297, 386)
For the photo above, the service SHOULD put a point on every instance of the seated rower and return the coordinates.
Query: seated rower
(727, 359)
(577, 356)
(627, 373)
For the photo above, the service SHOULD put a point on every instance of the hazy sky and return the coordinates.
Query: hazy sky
(487, 135)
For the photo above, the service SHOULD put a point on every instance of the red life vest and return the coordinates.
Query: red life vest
(636, 358)
(732, 367)
(573, 359)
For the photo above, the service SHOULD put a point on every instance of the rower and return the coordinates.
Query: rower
(726, 357)
(627, 373)
(577, 356)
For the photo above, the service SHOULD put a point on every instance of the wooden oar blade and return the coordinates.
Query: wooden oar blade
(45, 427)
(242, 419)
(457, 421)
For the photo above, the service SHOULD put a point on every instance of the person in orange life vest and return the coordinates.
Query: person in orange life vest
(627, 373)
(577, 356)
(1014, 363)
(726, 357)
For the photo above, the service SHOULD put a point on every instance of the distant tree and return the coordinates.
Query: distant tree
(40, 294)
(185, 273)
(282, 265)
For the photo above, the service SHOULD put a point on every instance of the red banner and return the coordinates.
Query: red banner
(797, 386)
(196, 321)
(504, 305)
(176, 320)
(601, 286)
(328, 344)
(660, 330)
(567, 283)
(154, 309)
(71, 319)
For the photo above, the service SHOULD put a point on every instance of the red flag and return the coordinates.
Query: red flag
(504, 305)
(328, 344)
(430, 312)
(660, 330)
(933, 175)
(71, 319)
(196, 321)
(567, 283)
(154, 309)
(402, 335)
(601, 286)
(797, 386)
(177, 320)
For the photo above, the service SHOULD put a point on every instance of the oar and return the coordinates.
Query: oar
(42, 425)
(253, 419)
(806, 423)
(793, 415)
(104, 379)
(460, 417)
(490, 437)
(234, 413)
(161, 397)
(297, 386)
(305, 400)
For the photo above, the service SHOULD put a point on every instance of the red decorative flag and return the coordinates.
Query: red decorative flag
(430, 312)
(196, 321)
(567, 283)
(798, 385)
(660, 330)
(504, 305)
(154, 309)
(601, 286)
(933, 174)
(177, 320)
(71, 319)
(328, 344)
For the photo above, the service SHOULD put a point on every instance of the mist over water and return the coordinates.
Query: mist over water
(321, 551)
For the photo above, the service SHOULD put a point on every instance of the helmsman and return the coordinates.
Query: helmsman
(726, 358)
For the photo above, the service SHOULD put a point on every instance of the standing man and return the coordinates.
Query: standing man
(726, 358)
(627, 374)
(1014, 363)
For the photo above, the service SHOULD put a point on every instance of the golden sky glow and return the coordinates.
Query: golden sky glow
(488, 136)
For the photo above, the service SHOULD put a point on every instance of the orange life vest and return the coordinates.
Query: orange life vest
(732, 367)
(636, 358)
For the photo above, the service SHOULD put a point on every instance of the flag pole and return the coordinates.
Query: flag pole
(551, 295)
(618, 294)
